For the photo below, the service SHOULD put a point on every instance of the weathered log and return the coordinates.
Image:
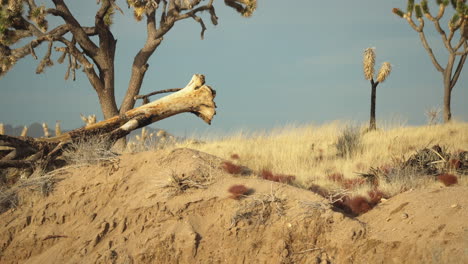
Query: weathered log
(196, 98)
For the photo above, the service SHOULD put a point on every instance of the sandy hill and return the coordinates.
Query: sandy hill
(174, 207)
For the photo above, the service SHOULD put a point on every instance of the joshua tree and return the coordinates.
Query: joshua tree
(24, 26)
(384, 72)
(458, 23)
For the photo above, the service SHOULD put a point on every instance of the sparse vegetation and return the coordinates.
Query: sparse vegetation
(88, 151)
(383, 163)
(239, 191)
(178, 184)
(349, 142)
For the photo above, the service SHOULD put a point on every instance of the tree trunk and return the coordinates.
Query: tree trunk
(195, 98)
(448, 88)
(447, 98)
(372, 124)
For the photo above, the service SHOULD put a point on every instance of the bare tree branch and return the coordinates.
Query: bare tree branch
(75, 28)
(429, 50)
(461, 62)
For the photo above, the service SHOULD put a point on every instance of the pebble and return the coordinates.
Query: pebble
(454, 205)
(404, 215)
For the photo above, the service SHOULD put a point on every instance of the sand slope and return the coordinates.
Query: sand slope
(119, 212)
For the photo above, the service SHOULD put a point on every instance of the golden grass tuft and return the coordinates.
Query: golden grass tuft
(310, 153)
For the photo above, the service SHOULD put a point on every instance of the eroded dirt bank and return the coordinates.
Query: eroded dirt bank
(130, 211)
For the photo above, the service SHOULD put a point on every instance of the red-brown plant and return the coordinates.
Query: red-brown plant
(375, 196)
(353, 183)
(359, 205)
(235, 156)
(336, 177)
(448, 179)
(268, 175)
(238, 191)
(454, 164)
(231, 168)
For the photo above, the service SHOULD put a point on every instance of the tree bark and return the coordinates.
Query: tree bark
(447, 75)
(447, 98)
(372, 123)
(196, 98)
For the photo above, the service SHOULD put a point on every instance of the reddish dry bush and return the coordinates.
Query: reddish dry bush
(353, 183)
(448, 179)
(231, 168)
(268, 175)
(454, 164)
(235, 157)
(375, 196)
(336, 177)
(238, 191)
(359, 205)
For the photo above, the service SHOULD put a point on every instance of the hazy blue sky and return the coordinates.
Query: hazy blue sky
(292, 62)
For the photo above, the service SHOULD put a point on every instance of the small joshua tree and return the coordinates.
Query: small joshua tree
(458, 22)
(384, 72)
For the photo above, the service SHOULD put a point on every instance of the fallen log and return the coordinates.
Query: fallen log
(196, 98)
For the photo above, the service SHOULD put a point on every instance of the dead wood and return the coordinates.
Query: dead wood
(196, 98)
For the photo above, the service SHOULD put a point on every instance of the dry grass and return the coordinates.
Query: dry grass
(312, 153)
(178, 184)
(89, 151)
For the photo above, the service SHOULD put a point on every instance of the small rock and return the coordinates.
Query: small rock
(454, 205)
(383, 200)
(404, 215)
(289, 225)
(388, 219)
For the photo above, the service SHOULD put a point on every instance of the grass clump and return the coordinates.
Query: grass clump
(349, 142)
(88, 151)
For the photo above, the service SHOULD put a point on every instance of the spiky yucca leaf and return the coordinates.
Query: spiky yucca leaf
(6, 63)
(384, 72)
(398, 12)
(369, 62)
(445, 2)
(454, 3)
(461, 7)
(250, 8)
(418, 10)
(410, 7)
(454, 19)
(425, 6)
(15, 6)
(138, 13)
(109, 16)
(439, 2)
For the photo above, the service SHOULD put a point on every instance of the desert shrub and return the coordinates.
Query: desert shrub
(231, 168)
(356, 205)
(349, 142)
(353, 183)
(235, 156)
(238, 191)
(268, 175)
(89, 150)
(180, 183)
(448, 179)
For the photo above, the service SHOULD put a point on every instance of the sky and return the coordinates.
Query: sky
(293, 62)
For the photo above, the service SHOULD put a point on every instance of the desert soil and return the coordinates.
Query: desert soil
(123, 211)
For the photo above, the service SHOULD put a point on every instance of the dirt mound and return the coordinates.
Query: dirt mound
(155, 207)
